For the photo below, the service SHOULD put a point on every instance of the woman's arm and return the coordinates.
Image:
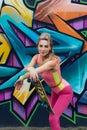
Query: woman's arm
(32, 63)
(33, 72)
(30, 71)
(50, 65)
(30, 67)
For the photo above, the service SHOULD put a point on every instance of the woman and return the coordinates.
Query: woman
(49, 69)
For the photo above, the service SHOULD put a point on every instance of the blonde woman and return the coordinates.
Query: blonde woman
(49, 69)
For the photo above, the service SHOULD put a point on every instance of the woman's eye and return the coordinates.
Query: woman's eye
(40, 45)
(46, 46)
(43, 46)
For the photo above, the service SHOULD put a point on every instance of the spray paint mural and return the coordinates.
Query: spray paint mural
(21, 23)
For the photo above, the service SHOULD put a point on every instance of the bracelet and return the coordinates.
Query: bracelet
(29, 69)
(21, 78)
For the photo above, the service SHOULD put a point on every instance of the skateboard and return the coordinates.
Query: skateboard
(43, 96)
(24, 93)
(28, 88)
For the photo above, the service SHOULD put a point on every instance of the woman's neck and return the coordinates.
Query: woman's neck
(45, 59)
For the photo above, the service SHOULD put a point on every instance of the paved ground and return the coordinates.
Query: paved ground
(40, 128)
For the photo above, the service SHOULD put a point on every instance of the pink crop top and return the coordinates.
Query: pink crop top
(52, 78)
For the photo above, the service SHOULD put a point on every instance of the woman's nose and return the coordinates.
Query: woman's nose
(43, 48)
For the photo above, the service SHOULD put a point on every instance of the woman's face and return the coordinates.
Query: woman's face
(44, 47)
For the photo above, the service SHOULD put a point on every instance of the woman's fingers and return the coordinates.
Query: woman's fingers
(18, 87)
(33, 75)
(18, 84)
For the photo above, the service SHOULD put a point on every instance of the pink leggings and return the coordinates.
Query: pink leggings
(59, 103)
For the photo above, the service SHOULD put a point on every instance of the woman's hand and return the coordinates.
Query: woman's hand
(19, 84)
(33, 75)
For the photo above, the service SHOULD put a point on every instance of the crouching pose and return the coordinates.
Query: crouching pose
(49, 69)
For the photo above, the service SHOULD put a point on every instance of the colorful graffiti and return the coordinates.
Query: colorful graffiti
(21, 23)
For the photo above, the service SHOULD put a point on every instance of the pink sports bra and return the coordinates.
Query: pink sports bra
(52, 78)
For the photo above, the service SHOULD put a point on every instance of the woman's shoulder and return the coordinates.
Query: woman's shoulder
(36, 56)
(56, 58)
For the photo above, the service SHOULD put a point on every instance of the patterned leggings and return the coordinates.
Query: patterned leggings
(59, 103)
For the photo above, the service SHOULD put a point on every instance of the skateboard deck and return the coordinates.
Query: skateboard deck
(24, 93)
(43, 96)
(28, 88)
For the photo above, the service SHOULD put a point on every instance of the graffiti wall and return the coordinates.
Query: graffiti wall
(21, 23)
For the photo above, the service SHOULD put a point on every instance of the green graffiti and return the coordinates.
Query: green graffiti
(84, 33)
(31, 4)
(83, 1)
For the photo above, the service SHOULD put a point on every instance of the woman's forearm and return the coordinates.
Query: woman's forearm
(25, 76)
(27, 69)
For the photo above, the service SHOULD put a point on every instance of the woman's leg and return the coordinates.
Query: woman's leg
(59, 103)
(53, 119)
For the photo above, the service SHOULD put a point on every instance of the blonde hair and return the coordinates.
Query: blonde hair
(47, 37)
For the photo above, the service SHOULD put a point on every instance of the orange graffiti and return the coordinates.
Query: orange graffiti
(63, 8)
(57, 12)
